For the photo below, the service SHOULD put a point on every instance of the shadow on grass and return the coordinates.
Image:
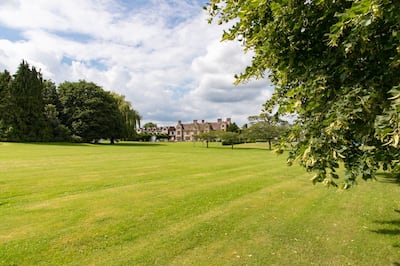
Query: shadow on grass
(133, 144)
(235, 147)
(55, 143)
(388, 178)
(117, 144)
(392, 229)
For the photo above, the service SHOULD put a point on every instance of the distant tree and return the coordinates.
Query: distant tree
(59, 132)
(233, 128)
(162, 136)
(265, 127)
(5, 114)
(26, 106)
(207, 136)
(90, 112)
(143, 137)
(149, 125)
(262, 131)
(52, 109)
(130, 117)
(229, 138)
(50, 94)
(5, 79)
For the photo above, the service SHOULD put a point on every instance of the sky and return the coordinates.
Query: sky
(161, 54)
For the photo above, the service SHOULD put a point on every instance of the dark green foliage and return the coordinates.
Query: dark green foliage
(233, 128)
(29, 107)
(336, 65)
(149, 125)
(142, 137)
(162, 136)
(52, 110)
(208, 136)
(265, 127)
(129, 116)
(5, 104)
(26, 107)
(229, 138)
(90, 112)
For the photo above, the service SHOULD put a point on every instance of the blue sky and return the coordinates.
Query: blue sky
(161, 54)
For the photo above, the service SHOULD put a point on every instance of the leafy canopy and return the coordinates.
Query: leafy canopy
(21, 106)
(90, 112)
(265, 127)
(335, 64)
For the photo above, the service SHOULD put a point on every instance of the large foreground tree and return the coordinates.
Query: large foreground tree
(336, 65)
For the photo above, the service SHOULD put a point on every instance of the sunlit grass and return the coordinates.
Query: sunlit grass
(184, 204)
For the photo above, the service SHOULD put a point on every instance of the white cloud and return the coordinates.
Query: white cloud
(162, 55)
(215, 71)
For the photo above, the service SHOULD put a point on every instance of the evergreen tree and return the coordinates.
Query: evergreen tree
(5, 119)
(52, 108)
(26, 105)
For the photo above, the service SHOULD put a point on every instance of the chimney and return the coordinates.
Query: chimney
(228, 120)
(194, 121)
(219, 120)
(202, 121)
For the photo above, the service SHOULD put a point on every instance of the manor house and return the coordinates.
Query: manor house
(166, 130)
(186, 132)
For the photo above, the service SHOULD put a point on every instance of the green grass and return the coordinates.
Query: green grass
(183, 204)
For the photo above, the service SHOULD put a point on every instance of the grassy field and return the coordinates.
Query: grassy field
(183, 204)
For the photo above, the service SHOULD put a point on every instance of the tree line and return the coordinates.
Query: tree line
(33, 109)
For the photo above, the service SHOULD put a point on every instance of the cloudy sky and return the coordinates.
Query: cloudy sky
(161, 54)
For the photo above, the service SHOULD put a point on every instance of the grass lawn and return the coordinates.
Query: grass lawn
(184, 204)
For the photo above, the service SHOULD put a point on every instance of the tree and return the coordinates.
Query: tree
(90, 112)
(233, 128)
(207, 136)
(229, 138)
(26, 106)
(130, 117)
(265, 127)
(5, 115)
(50, 94)
(149, 125)
(335, 64)
(32, 109)
(52, 109)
